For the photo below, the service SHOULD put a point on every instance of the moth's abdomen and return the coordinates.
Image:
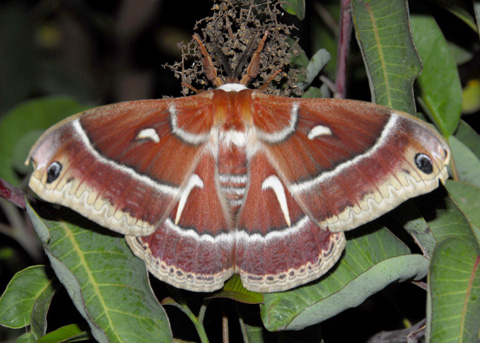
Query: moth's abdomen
(232, 174)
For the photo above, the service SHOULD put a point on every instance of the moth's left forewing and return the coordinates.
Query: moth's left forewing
(348, 162)
(120, 165)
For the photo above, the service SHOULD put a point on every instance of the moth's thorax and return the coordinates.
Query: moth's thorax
(233, 124)
(233, 109)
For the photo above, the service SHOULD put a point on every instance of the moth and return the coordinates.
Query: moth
(233, 180)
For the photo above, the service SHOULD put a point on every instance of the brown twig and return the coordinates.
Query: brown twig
(12, 194)
(343, 48)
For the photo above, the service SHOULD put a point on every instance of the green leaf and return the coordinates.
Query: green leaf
(234, 290)
(467, 198)
(294, 7)
(469, 137)
(27, 338)
(27, 290)
(460, 55)
(314, 92)
(251, 333)
(407, 217)
(315, 65)
(32, 116)
(439, 85)
(453, 307)
(38, 322)
(107, 283)
(471, 97)
(432, 218)
(457, 7)
(392, 64)
(476, 10)
(300, 59)
(372, 260)
(443, 216)
(466, 162)
(68, 333)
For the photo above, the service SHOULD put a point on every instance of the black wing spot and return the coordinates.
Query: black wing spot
(424, 163)
(53, 171)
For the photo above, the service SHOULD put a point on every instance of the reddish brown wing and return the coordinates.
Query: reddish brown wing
(314, 168)
(348, 162)
(125, 165)
(194, 248)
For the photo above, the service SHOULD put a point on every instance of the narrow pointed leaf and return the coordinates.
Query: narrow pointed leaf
(454, 292)
(38, 322)
(439, 83)
(407, 217)
(295, 7)
(444, 217)
(318, 61)
(458, 8)
(251, 333)
(469, 137)
(27, 338)
(467, 198)
(467, 163)
(68, 333)
(383, 34)
(476, 10)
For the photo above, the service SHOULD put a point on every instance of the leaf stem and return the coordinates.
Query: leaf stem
(20, 231)
(197, 321)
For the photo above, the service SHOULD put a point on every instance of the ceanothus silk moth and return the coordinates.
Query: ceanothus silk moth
(233, 180)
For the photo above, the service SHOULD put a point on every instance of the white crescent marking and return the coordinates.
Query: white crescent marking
(148, 134)
(274, 183)
(194, 181)
(319, 130)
